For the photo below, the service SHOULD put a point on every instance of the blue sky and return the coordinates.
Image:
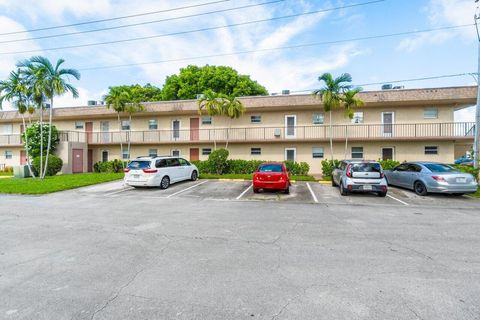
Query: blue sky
(377, 60)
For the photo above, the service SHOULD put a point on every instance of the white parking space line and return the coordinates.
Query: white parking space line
(191, 187)
(312, 193)
(245, 191)
(119, 191)
(402, 202)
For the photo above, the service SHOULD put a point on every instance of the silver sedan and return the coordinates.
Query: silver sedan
(425, 177)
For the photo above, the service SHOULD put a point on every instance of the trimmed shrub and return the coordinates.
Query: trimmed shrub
(218, 160)
(7, 169)
(109, 166)
(388, 164)
(239, 166)
(34, 139)
(467, 169)
(328, 166)
(297, 168)
(54, 165)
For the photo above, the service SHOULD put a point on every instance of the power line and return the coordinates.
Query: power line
(276, 48)
(116, 18)
(400, 81)
(193, 31)
(141, 23)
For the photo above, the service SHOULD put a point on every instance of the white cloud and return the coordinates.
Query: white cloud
(465, 115)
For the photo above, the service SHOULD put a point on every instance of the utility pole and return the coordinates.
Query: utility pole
(476, 143)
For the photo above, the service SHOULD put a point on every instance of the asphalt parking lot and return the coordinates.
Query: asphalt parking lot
(216, 250)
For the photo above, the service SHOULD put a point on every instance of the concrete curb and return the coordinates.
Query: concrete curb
(324, 182)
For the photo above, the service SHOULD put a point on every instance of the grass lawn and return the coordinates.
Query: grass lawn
(248, 177)
(56, 183)
(476, 194)
(6, 173)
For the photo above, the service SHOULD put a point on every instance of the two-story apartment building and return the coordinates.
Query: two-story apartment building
(416, 124)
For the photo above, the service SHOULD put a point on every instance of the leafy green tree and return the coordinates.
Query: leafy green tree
(194, 80)
(351, 101)
(15, 90)
(47, 82)
(37, 135)
(332, 96)
(147, 93)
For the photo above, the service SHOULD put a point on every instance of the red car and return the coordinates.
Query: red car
(272, 175)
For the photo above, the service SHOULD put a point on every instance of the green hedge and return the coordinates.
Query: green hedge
(54, 165)
(389, 164)
(113, 166)
(467, 169)
(327, 168)
(238, 166)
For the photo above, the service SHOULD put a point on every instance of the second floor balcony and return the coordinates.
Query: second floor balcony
(357, 132)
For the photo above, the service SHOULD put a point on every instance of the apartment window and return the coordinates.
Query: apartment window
(317, 152)
(152, 124)
(206, 151)
(357, 152)
(318, 118)
(152, 152)
(125, 154)
(255, 151)
(8, 154)
(79, 125)
(125, 125)
(430, 113)
(431, 150)
(175, 153)
(206, 120)
(6, 129)
(104, 156)
(255, 119)
(357, 117)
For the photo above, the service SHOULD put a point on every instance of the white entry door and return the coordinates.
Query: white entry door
(388, 121)
(290, 126)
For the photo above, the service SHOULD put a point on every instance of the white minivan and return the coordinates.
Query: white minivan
(159, 171)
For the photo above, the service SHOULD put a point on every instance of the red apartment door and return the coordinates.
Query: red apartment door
(194, 128)
(77, 160)
(194, 154)
(23, 157)
(88, 130)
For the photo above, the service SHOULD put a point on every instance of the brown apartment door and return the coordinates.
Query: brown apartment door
(88, 130)
(387, 153)
(77, 160)
(90, 160)
(23, 157)
(194, 129)
(194, 154)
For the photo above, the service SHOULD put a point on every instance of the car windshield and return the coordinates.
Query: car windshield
(366, 167)
(139, 165)
(438, 167)
(270, 168)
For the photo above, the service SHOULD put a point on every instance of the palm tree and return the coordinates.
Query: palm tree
(331, 96)
(15, 90)
(211, 103)
(51, 81)
(350, 102)
(232, 108)
(117, 99)
(131, 108)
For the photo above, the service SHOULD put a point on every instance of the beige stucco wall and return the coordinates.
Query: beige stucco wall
(15, 161)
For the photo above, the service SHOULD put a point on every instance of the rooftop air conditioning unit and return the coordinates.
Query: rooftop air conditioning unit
(277, 132)
(92, 103)
(387, 86)
(285, 92)
(398, 87)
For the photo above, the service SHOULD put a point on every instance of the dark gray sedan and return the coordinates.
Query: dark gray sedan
(425, 177)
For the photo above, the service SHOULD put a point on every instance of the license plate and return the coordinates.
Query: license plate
(367, 187)
(136, 176)
(461, 180)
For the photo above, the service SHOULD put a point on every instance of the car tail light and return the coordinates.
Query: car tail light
(349, 171)
(126, 170)
(382, 174)
(150, 170)
(438, 178)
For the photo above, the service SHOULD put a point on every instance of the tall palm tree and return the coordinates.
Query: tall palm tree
(130, 108)
(51, 81)
(331, 96)
(351, 101)
(232, 108)
(211, 103)
(15, 90)
(117, 99)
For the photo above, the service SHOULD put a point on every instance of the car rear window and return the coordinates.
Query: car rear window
(139, 165)
(366, 167)
(438, 167)
(270, 168)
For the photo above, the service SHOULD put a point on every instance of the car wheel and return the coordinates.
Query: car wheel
(420, 188)
(343, 191)
(194, 175)
(165, 183)
(382, 194)
(255, 190)
(333, 183)
(287, 191)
